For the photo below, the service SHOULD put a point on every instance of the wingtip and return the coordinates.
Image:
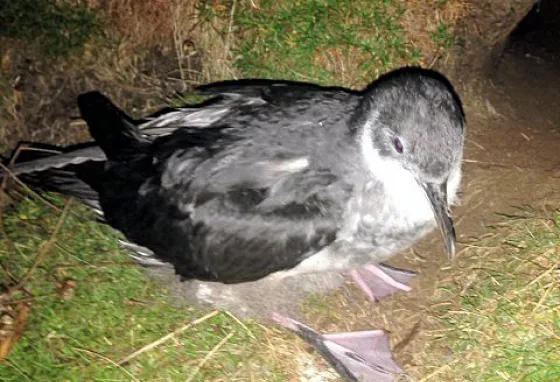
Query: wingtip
(91, 102)
(112, 129)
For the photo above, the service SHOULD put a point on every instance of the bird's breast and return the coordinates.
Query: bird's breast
(391, 214)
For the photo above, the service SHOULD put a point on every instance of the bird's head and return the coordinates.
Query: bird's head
(414, 119)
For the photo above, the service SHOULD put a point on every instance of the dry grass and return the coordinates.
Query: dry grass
(494, 316)
(200, 39)
(428, 24)
(321, 41)
(147, 22)
(151, 52)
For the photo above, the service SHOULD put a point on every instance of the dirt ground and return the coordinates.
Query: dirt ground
(512, 156)
(512, 159)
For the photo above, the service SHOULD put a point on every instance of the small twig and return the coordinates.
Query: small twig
(210, 354)
(17, 368)
(101, 264)
(27, 189)
(30, 148)
(108, 360)
(7, 273)
(230, 29)
(438, 371)
(505, 166)
(542, 275)
(29, 299)
(409, 337)
(476, 144)
(543, 297)
(178, 42)
(9, 243)
(158, 342)
(44, 249)
(433, 61)
(241, 324)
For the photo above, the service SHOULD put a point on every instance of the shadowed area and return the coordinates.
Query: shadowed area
(85, 311)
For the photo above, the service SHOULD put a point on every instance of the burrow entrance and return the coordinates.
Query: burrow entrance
(538, 33)
(527, 71)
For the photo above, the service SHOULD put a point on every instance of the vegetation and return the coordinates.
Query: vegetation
(502, 318)
(326, 41)
(57, 28)
(73, 306)
(91, 306)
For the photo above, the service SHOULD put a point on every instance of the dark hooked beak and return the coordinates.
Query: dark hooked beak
(437, 194)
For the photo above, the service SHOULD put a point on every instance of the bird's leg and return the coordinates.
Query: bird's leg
(356, 356)
(378, 281)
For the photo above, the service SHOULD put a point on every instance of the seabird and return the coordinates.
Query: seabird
(275, 179)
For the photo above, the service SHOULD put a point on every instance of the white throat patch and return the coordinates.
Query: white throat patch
(399, 183)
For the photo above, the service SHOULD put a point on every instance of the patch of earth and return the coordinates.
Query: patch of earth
(40, 95)
(512, 159)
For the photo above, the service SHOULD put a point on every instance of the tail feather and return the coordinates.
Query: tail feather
(143, 256)
(78, 181)
(57, 159)
(77, 171)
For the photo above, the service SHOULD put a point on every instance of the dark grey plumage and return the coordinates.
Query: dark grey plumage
(275, 179)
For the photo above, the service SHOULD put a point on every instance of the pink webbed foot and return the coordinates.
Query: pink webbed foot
(356, 356)
(378, 281)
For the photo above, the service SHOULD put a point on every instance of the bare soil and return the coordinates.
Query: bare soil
(512, 159)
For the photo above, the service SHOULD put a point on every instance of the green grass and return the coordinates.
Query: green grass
(326, 41)
(498, 325)
(57, 28)
(114, 309)
(442, 37)
(506, 324)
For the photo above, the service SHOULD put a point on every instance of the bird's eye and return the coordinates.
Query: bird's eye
(398, 145)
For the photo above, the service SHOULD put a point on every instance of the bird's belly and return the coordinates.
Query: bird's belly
(385, 243)
(375, 229)
(388, 216)
(396, 235)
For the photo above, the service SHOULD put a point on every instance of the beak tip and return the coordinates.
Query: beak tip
(451, 253)
(451, 244)
(437, 195)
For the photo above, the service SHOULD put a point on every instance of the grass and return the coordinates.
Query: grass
(325, 41)
(57, 28)
(90, 307)
(442, 38)
(505, 325)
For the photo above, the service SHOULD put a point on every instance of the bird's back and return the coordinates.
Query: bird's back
(257, 192)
